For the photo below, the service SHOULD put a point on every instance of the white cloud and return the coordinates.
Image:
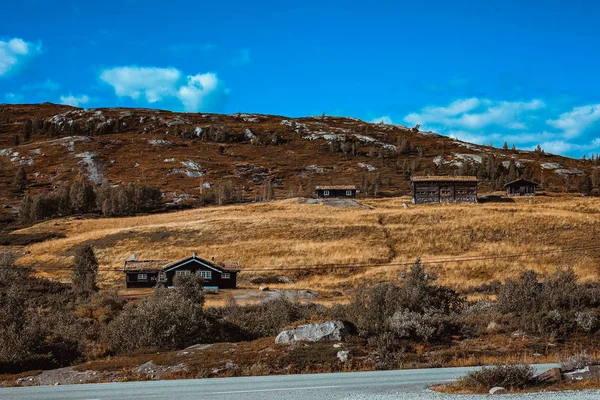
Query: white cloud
(524, 123)
(476, 113)
(385, 119)
(74, 101)
(152, 85)
(574, 123)
(14, 53)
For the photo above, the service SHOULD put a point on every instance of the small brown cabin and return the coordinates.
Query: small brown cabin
(324, 192)
(521, 187)
(444, 189)
(151, 273)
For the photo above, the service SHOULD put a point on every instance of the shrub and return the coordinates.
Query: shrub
(268, 318)
(508, 376)
(427, 326)
(165, 320)
(190, 287)
(587, 321)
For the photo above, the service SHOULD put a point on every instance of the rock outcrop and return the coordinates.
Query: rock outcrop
(329, 330)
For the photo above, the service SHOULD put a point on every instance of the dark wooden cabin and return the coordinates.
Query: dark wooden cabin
(521, 187)
(324, 192)
(444, 189)
(151, 273)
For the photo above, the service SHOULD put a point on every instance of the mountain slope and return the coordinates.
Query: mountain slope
(185, 154)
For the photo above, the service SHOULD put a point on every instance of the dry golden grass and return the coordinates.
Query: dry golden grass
(288, 233)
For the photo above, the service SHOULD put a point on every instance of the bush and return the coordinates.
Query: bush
(507, 376)
(425, 327)
(190, 287)
(372, 307)
(165, 320)
(268, 318)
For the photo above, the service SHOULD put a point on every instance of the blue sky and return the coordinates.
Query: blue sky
(482, 71)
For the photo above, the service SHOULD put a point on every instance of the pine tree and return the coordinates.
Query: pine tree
(20, 181)
(505, 146)
(514, 148)
(27, 130)
(85, 269)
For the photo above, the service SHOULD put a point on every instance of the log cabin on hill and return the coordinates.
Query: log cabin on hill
(521, 187)
(444, 189)
(151, 273)
(325, 192)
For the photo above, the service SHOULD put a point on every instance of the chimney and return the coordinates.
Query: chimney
(132, 257)
(194, 255)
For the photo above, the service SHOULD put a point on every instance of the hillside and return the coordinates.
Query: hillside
(293, 234)
(187, 154)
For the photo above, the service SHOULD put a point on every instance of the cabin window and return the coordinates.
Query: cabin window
(325, 192)
(142, 277)
(183, 272)
(348, 192)
(207, 275)
(226, 275)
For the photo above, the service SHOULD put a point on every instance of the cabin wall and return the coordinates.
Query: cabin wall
(133, 281)
(520, 190)
(444, 192)
(335, 193)
(216, 279)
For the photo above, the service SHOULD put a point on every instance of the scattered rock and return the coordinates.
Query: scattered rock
(263, 288)
(343, 355)
(338, 345)
(329, 330)
(552, 375)
(589, 372)
(498, 390)
(199, 346)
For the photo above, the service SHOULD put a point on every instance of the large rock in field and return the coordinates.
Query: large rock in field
(329, 330)
(552, 375)
(589, 372)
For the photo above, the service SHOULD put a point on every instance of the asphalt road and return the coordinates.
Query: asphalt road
(404, 384)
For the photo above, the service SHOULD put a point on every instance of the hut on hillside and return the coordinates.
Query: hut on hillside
(444, 189)
(325, 192)
(521, 187)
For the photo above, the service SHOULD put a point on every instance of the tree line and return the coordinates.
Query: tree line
(82, 197)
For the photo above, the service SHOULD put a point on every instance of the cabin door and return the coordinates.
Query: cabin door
(446, 194)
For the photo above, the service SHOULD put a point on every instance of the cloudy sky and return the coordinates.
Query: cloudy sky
(484, 71)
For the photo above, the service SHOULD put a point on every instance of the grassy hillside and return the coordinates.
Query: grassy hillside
(289, 233)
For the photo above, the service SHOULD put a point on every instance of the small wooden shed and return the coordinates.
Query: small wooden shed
(521, 187)
(324, 192)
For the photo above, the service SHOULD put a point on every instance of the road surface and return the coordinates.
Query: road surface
(379, 385)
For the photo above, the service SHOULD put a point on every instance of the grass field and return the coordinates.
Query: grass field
(288, 233)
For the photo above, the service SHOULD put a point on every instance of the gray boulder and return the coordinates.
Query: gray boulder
(343, 355)
(329, 330)
(498, 390)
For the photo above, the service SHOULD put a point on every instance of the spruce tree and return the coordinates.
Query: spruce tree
(20, 181)
(505, 146)
(85, 269)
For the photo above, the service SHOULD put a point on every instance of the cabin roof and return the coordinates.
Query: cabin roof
(336, 187)
(444, 179)
(523, 180)
(163, 265)
(145, 265)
